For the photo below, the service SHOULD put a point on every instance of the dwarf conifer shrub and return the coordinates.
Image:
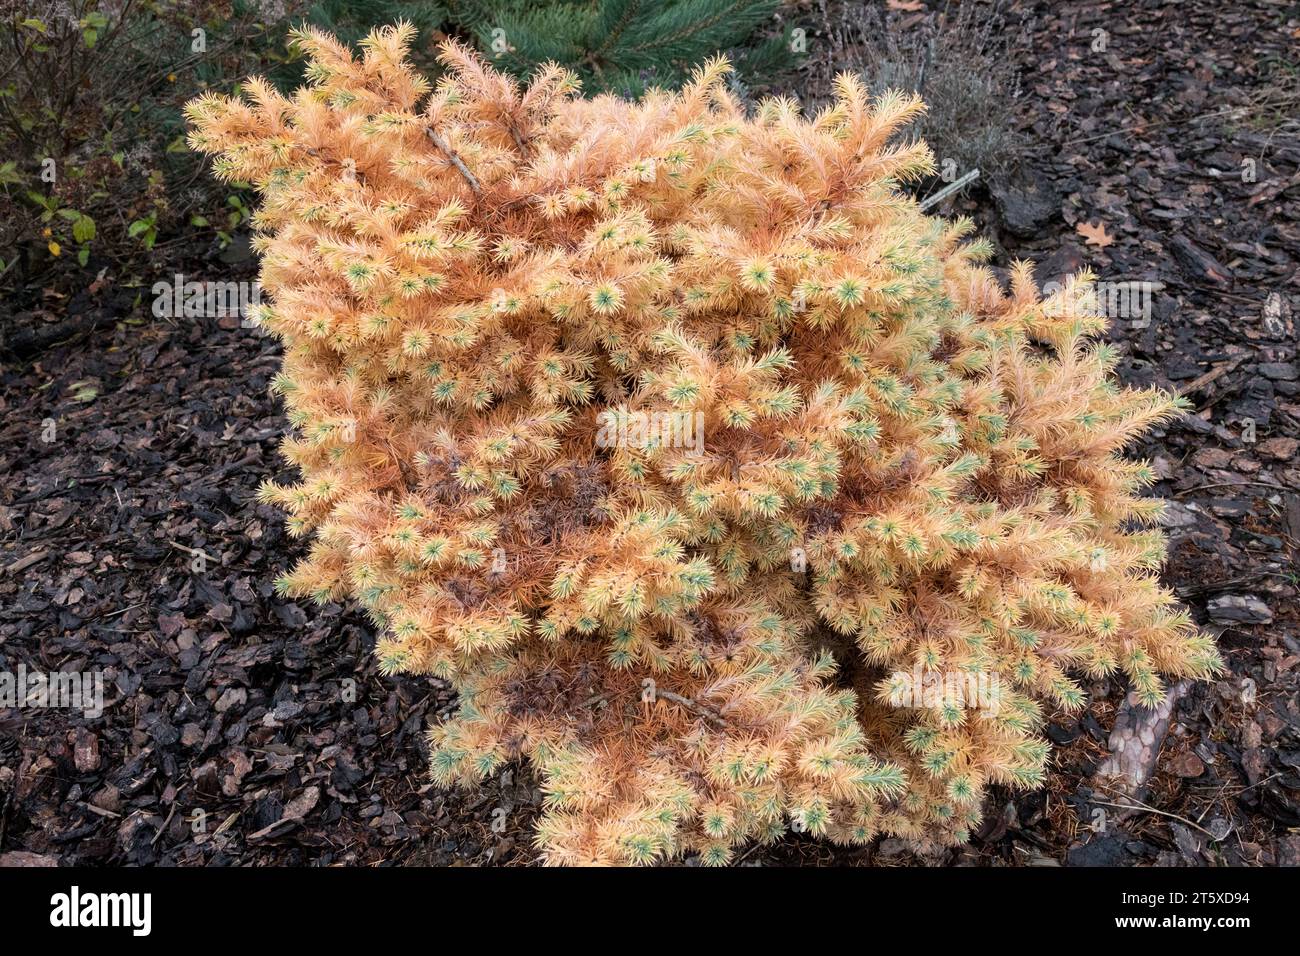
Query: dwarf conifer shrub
(688, 450)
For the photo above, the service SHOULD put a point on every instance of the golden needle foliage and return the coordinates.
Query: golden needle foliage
(904, 469)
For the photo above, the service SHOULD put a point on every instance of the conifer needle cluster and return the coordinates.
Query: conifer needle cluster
(905, 469)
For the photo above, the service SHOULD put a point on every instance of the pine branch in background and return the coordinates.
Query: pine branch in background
(351, 20)
(622, 46)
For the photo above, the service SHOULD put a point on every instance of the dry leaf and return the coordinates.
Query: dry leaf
(1094, 235)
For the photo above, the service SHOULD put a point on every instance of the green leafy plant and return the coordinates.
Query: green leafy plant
(89, 121)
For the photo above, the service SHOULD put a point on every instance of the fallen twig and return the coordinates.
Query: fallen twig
(1215, 373)
(1234, 484)
(25, 562)
(942, 194)
(1150, 809)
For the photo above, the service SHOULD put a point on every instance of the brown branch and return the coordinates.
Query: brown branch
(456, 161)
(689, 704)
(519, 141)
